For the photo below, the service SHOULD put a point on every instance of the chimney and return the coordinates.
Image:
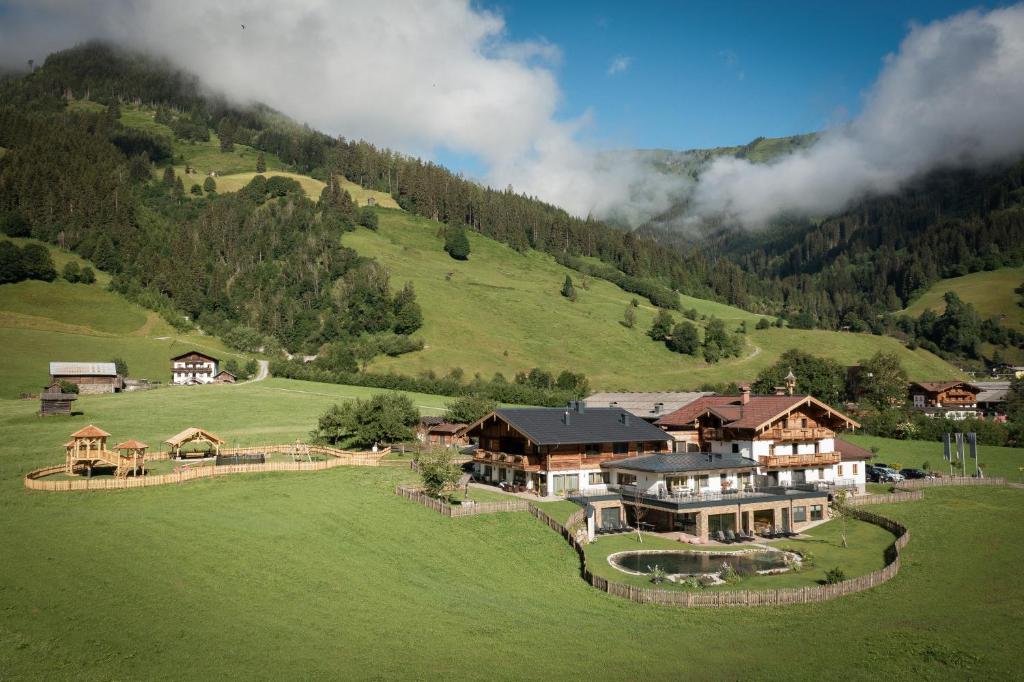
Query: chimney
(565, 418)
(780, 390)
(744, 394)
(624, 418)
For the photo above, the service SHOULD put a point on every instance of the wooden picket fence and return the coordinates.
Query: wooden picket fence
(918, 483)
(337, 458)
(445, 509)
(884, 498)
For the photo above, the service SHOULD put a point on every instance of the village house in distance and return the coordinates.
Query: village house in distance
(194, 367)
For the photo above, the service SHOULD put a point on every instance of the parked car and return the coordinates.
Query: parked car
(888, 475)
(913, 473)
(880, 465)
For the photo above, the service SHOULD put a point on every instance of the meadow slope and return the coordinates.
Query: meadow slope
(990, 291)
(332, 575)
(501, 311)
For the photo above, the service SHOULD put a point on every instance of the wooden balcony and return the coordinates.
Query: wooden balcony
(707, 434)
(503, 459)
(790, 435)
(790, 461)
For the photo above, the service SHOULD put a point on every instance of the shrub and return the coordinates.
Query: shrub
(657, 574)
(67, 386)
(72, 272)
(456, 244)
(438, 471)
(834, 575)
(87, 276)
(728, 573)
(368, 218)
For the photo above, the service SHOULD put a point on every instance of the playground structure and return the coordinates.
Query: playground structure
(87, 449)
(194, 435)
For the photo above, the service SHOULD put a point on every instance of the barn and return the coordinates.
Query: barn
(54, 401)
(90, 377)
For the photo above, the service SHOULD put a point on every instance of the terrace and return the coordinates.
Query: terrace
(689, 499)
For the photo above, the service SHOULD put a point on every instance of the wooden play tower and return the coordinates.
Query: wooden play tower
(88, 449)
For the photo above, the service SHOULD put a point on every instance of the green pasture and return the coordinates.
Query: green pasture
(990, 291)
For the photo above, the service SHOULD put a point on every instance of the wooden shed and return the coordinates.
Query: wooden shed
(54, 401)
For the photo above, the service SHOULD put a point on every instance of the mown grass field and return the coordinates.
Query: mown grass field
(42, 322)
(991, 292)
(502, 311)
(995, 461)
(284, 576)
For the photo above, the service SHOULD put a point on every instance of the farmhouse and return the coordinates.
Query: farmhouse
(193, 367)
(645, 405)
(436, 431)
(792, 438)
(950, 399)
(224, 377)
(556, 450)
(90, 377)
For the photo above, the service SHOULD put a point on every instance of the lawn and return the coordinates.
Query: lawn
(865, 553)
(501, 311)
(330, 574)
(912, 454)
(991, 292)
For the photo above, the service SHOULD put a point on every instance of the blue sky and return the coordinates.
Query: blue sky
(698, 74)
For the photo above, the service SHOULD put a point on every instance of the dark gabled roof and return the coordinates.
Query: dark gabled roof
(940, 386)
(547, 425)
(195, 352)
(431, 420)
(682, 461)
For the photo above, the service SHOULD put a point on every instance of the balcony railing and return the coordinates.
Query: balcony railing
(783, 434)
(629, 492)
(809, 460)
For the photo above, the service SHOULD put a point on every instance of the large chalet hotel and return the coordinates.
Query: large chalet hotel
(715, 463)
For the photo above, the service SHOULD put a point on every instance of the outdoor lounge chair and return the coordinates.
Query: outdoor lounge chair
(719, 536)
(730, 537)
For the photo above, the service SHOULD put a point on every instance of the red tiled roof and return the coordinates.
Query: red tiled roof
(759, 410)
(848, 451)
(131, 445)
(90, 431)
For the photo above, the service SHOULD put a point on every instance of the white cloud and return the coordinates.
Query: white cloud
(619, 64)
(952, 96)
(414, 76)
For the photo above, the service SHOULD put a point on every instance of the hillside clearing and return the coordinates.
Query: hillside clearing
(501, 311)
(991, 292)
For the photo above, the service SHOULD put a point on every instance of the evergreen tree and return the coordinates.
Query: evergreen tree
(456, 243)
(685, 338)
(104, 255)
(408, 316)
(368, 218)
(763, 323)
(568, 290)
(629, 318)
(37, 263)
(168, 178)
(226, 133)
(11, 266)
(179, 187)
(196, 190)
(661, 328)
(209, 184)
(261, 163)
(72, 272)
(120, 366)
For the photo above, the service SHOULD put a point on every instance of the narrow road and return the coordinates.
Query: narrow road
(262, 373)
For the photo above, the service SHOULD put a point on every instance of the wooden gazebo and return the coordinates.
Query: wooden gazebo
(88, 447)
(193, 435)
(131, 457)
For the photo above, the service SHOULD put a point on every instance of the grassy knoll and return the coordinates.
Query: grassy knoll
(995, 461)
(332, 575)
(990, 292)
(501, 311)
(865, 553)
(45, 321)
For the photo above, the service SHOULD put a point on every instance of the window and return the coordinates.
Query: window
(855, 472)
(564, 483)
(626, 479)
(816, 514)
(702, 481)
(735, 447)
(803, 423)
(620, 448)
(840, 470)
(821, 474)
(598, 478)
(799, 514)
(593, 449)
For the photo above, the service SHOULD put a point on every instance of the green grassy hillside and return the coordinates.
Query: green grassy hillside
(314, 575)
(501, 311)
(991, 292)
(45, 321)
